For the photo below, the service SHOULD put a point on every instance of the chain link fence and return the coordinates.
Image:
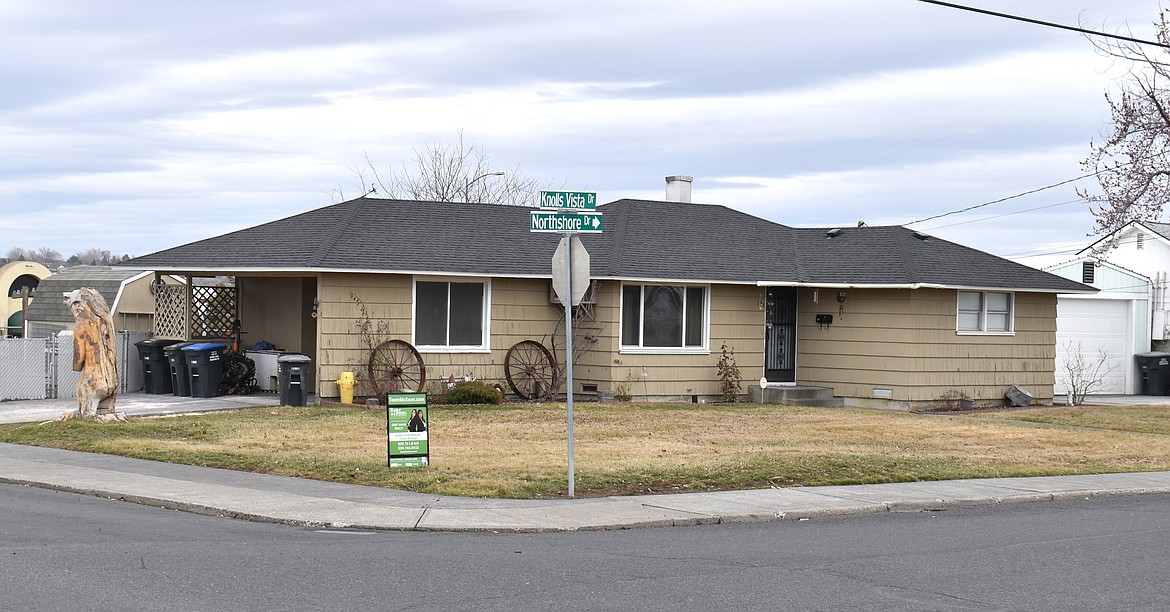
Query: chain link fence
(42, 368)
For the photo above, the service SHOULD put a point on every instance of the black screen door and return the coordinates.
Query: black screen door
(780, 341)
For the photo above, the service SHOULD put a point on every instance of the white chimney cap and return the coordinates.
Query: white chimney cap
(678, 188)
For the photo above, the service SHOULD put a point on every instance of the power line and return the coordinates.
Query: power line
(1047, 23)
(1007, 214)
(1073, 249)
(1011, 197)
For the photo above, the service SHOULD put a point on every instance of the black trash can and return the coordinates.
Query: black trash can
(156, 370)
(180, 382)
(1155, 369)
(204, 368)
(294, 379)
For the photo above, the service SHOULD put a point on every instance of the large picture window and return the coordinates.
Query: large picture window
(450, 315)
(985, 312)
(664, 316)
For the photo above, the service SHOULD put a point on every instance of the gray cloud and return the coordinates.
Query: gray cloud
(122, 118)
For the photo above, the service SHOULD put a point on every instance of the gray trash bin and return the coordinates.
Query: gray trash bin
(1155, 369)
(294, 379)
(180, 381)
(156, 370)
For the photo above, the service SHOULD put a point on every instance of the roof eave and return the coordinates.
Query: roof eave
(920, 286)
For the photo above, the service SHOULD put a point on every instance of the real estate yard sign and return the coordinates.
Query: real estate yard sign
(406, 430)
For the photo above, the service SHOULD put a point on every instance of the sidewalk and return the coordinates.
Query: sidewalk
(133, 404)
(313, 503)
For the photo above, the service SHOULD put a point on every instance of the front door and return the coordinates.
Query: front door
(780, 341)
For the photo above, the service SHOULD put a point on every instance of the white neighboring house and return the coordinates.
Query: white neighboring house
(1142, 247)
(1115, 321)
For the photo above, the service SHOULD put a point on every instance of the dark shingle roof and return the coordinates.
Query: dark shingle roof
(641, 240)
(682, 241)
(371, 234)
(896, 256)
(49, 303)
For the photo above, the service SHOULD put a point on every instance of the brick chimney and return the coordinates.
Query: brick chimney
(678, 188)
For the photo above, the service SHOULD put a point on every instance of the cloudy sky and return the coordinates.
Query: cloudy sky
(134, 126)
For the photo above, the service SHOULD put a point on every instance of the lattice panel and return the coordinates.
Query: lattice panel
(213, 312)
(170, 312)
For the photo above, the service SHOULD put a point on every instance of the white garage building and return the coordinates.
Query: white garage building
(1115, 321)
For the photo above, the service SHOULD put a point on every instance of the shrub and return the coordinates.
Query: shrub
(729, 377)
(474, 392)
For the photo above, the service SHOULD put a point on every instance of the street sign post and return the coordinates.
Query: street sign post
(556, 222)
(566, 274)
(568, 213)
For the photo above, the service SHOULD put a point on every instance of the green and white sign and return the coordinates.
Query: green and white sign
(552, 222)
(407, 425)
(573, 200)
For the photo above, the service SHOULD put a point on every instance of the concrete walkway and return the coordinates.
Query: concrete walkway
(321, 504)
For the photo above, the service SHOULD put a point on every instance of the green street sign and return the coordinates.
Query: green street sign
(551, 221)
(570, 200)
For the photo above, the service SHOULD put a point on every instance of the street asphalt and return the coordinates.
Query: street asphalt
(312, 503)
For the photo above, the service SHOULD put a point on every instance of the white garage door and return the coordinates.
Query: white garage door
(1095, 324)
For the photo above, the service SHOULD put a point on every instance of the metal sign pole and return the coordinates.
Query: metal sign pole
(569, 351)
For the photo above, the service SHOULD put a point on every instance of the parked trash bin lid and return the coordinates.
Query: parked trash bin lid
(203, 346)
(159, 342)
(294, 358)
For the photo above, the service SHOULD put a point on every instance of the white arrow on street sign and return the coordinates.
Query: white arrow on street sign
(580, 264)
(551, 221)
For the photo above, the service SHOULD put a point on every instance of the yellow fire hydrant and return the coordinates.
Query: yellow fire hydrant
(346, 384)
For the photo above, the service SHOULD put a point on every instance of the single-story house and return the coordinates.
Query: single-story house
(880, 315)
(129, 293)
(20, 280)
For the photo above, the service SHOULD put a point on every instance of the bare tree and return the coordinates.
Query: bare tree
(19, 254)
(1083, 375)
(50, 257)
(453, 172)
(94, 257)
(1132, 161)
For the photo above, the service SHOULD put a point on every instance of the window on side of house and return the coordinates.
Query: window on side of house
(451, 315)
(664, 317)
(985, 312)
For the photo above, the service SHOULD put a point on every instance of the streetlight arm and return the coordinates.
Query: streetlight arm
(467, 186)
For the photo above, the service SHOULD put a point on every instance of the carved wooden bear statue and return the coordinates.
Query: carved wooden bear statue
(94, 355)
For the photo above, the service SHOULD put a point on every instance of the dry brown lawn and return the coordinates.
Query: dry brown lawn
(521, 450)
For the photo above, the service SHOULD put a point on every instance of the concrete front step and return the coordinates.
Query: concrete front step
(832, 402)
(797, 395)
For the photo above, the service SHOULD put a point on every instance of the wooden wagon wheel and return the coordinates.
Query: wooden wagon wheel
(396, 367)
(531, 370)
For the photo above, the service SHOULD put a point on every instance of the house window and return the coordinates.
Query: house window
(985, 312)
(451, 315)
(664, 317)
